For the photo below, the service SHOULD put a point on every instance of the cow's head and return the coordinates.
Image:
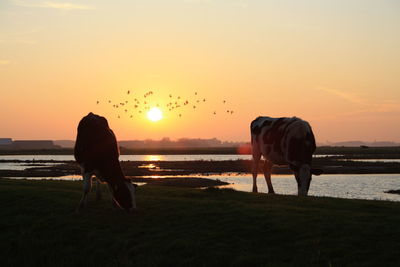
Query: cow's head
(124, 195)
(305, 173)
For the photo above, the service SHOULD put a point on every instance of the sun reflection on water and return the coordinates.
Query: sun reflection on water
(154, 158)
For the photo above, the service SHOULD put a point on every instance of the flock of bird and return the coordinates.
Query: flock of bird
(175, 104)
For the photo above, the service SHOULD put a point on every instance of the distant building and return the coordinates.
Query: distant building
(34, 144)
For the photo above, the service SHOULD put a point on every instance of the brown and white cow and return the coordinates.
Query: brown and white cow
(283, 141)
(96, 152)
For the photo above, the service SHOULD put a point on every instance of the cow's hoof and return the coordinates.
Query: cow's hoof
(255, 190)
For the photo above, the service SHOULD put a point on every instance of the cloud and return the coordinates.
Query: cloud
(4, 62)
(371, 107)
(344, 95)
(54, 5)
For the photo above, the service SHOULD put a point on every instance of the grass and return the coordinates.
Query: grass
(189, 227)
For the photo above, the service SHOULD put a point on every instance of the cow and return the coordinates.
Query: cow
(96, 151)
(283, 141)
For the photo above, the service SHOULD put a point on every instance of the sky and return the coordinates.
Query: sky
(334, 63)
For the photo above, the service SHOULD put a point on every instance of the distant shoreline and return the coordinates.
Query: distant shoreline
(361, 152)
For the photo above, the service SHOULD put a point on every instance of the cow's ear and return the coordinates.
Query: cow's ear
(317, 171)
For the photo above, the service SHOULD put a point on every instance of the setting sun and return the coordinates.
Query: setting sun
(154, 114)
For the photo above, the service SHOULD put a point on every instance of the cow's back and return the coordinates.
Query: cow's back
(96, 146)
(283, 140)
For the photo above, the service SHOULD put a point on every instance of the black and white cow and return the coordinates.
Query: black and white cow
(283, 141)
(96, 151)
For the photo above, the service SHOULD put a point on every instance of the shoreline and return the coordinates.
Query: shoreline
(201, 167)
(376, 152)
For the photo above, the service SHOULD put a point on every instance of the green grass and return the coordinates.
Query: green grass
(189, 227)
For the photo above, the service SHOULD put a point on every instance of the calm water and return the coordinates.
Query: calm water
(366, 186)
(373, 160)
(23, 166)
(360, 186)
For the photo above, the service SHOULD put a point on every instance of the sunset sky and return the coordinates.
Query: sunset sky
(334, 63)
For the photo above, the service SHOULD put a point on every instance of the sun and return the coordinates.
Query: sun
(154, 114)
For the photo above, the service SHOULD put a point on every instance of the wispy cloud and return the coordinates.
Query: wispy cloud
(364, 108)
(51, 4)
(344, 95)
(4, 62)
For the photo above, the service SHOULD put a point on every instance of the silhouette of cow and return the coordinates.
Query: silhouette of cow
(96, 151)
(283, 141)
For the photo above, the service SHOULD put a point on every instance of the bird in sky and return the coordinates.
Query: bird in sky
(144, 102)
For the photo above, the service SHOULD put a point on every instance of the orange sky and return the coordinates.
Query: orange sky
(333, 63)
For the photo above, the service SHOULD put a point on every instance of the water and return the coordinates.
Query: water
(24, 166)
(365, 186)
(372, 160)
(131, 157)
(358, 186)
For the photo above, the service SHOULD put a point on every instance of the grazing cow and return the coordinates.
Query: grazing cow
(96, 151)
(283, 141)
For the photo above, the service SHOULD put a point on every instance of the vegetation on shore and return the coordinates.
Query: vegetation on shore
(203, 167)
(190, 227)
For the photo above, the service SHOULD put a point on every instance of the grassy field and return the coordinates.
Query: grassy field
(190, 227)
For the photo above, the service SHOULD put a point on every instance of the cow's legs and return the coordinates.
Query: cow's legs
(256, 161)
(267, 174)
(98, 189)
(87, 185)
(113, 201)
(304, 179)
(297, 176)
